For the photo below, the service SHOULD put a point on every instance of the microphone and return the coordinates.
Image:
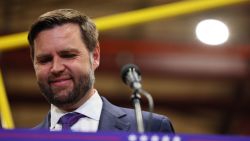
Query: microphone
(131, 76)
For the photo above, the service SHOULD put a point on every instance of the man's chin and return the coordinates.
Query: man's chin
(64, 103)
(62, 97)
(60, 101)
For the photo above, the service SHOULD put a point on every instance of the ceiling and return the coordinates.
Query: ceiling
(192, 83)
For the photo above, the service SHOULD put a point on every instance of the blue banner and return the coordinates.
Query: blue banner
(42, 135)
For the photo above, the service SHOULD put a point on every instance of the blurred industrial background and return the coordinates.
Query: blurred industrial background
(203, 89)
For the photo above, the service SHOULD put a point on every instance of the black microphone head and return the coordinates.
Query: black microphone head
(126, 68)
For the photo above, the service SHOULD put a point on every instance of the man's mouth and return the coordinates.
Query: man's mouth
(60, 82)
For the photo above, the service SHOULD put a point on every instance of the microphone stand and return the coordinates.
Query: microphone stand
(131, 76)
(138, 112)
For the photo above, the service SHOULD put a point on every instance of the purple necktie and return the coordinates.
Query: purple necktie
(69, 119)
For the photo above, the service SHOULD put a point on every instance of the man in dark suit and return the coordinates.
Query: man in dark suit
(65, 53)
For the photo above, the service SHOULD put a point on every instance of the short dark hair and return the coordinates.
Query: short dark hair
(89, 33)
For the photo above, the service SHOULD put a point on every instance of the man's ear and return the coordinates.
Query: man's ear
(96, 56)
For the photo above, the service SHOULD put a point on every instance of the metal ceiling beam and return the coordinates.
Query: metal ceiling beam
(19, 40)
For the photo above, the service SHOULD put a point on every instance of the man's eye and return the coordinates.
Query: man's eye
(44, 60)
(68, 55)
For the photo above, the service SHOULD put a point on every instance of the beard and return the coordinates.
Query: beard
(80, 88)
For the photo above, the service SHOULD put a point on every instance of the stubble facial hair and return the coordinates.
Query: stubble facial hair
(84, 84)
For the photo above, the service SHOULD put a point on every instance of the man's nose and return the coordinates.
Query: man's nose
(58, 66)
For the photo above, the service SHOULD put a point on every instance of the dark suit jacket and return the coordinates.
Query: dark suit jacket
(114, 118)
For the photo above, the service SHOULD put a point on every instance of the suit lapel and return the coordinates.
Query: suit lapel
(112, 118)
(45, 124)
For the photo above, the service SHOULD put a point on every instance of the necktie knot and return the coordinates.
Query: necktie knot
(69, 119)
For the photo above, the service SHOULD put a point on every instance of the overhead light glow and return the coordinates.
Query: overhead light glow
(212, 32)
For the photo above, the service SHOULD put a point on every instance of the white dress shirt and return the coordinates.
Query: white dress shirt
(91, 109)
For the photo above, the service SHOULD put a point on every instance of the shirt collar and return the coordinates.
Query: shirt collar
(91, 108)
